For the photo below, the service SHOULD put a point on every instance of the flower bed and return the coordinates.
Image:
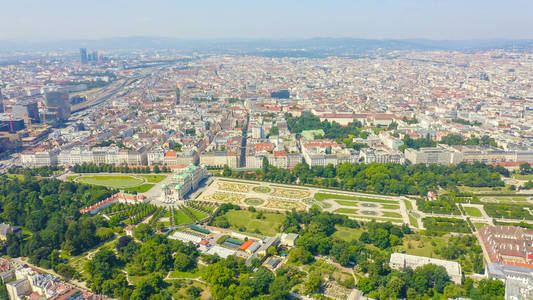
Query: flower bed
(278, 203)
(294, 194)
(233, 187)
(224, 198)
(254, 201)
(262, 189)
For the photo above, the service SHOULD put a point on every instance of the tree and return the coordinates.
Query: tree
(66, 271)
(152, 285)
(365, 284)
(142, 232)
(299, 254)
(265, 164)
(272, 251)
(182, 262)
(193, 291)
(454, 291)
(314, 280)
(280, 288)
(226, 171)
(262, 280)
(491, 287)
(525, 168)
(104, 233)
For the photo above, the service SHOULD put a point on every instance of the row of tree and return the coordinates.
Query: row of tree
(107, 168)
(386, 178)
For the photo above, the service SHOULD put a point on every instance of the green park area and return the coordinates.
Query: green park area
(264, 222)
(311, 134)
(522, 177)
(347, 234)
(423, 245)
(127, 183)
(154, 178)
(472, 211)
(181, 218)
(325, 196)
(390, 206)
(112, 181)
(391, 214)
(346, 211)
(503, 199)
(479, 225)
(487, 190)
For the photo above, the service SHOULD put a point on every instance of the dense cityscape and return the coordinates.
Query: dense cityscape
(284, 168)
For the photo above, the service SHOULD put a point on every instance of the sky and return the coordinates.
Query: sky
(44, 20)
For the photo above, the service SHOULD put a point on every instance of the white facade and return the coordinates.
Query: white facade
(400, 261)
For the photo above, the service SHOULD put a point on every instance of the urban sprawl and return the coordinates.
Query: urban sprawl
(137, 174)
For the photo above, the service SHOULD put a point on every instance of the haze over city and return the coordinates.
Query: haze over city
(390, 19)
(273, 150)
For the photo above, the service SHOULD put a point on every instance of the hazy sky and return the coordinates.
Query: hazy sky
(203, 19)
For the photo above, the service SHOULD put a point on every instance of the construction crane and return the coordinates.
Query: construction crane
(28, 121)
(44, 112)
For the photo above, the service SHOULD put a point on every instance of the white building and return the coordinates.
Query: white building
(325, 152)
(433, 155)
(182, 183)
(381, 155)
(400, 261)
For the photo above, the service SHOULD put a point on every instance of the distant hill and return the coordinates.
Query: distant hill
(281, 47)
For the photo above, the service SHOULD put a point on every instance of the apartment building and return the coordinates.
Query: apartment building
(325, 152)
(220, 159)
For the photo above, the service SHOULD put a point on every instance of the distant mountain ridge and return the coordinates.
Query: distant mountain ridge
(319, 45)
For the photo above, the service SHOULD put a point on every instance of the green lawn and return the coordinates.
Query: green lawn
(380, 219)
(486, 190)
(181, 218)
(347, 203)
(522, 177)
(154, 178)
(112, 181)
(504, 198)
(243, 218)
(472, 211)
(178, 274)
(424, 246)
(347, 234)
(324, 196)
(72, 177)
(479, 225)
(145, 187)
(408, 204)
(390, 206)
(78, 263)
(346, 211)
(413, 221)
(197, 214)
(391, 214)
